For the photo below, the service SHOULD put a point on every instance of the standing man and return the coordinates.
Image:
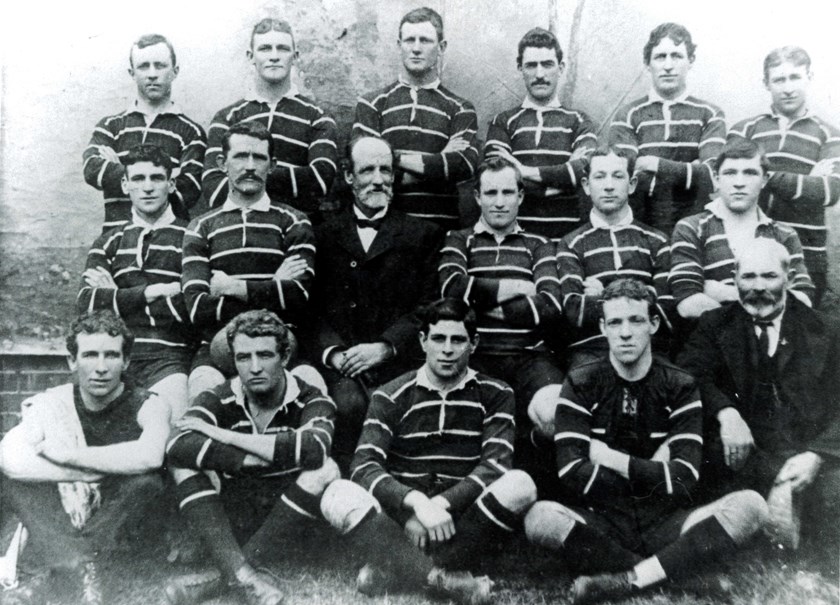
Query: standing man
(81, 470)
(135, 270)
(768, 374)
(303, 159)
(674, 136)
(509, 277)
(431, 130)
(248, 254)
(804, 155)
(546, 141)
(375, 266)
(151, 118)
(628, 447)
(704, 246)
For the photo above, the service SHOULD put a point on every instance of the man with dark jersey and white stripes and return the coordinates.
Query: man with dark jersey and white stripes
(546, 141)
(804, 155)
(152, 118)
(431, 129)
(629, 443)
(135, 271)
(303, 161)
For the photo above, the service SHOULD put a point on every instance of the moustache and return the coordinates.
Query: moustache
(540, 81)
(759, 297)
(249, 177)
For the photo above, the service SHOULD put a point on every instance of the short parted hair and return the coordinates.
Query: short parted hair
(259, 322)
(741, 149)
(627, 287)
(678, 35)
(151, 40)
(249, 128)
(539, 38)
(764, 246)
(496, 164)
(268, 24)
(351, 145)
(99, 322)
(148, 153)
(606, 149)
(452, 309)
(423, 14)
(786, 54)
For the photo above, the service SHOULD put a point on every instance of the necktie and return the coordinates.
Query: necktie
(366, 223)
(763, 338)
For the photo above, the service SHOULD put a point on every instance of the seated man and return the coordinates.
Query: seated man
(628, 448)
(510, 278)
(768, 374)
(436, 452)
(704, 246)
(135, 269)
(82, 467)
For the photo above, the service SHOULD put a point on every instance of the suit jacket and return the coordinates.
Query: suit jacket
(722, 354)
(371, 297)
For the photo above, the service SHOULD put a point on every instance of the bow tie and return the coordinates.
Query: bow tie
(366, 223)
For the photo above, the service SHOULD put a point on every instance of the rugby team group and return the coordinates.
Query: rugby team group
(620, 358)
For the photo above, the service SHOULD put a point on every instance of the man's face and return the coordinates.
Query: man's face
(153, 71)
(259, 365)
(448, 349)
(788, 85)
(499, 198)
(273, 55)
(762, 285)
(247, 164)
(609, 184)
(149, 187)
(739, 183)
(98, 364)
(668, 67)
(372, 178)
(628, 327)
(541, 72)
(420, 48)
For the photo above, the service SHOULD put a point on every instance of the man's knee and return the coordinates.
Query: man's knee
(317, 480)
(345, 504)
(550, 523)
(350, 400)
(741, 514)
(203, 378)
(310, 375)
(543, 408)
(515, 490)
(175, 391)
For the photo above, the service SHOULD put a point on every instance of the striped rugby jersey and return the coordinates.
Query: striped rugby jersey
(303, 427)
(453, 443)
(423, 120)
(248, 244)
(546, 137)
(700, 250)
(686, 134)
(180, 137)
(137, 255)
(596, 249)
(471, 265)
(635, 418)
(792, 196)
(305, 149)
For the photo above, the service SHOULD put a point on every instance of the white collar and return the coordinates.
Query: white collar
(430, 86)
(167, 218)
(482, 227)
(554, 103)
(424, 381)
(655, 96)
(378, 215)
(171, 107)
(599, 223)
(292, 390)
(717, 207)
(261, 205)
(253, 95)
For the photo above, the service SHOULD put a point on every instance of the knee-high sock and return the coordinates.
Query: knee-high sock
(202, 507)
(587, 550)
(706, 544)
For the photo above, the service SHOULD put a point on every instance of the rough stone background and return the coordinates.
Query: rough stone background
(64, 66)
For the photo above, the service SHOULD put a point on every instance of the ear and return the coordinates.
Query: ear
(220, 162)
(442, 46)
(584, 182)
(71, 362)
(477, 197)
(602, 327)
(171, 186)
(654, 323)
(422, 337)
(562, 67)
(126, 361)
(250, 55)
(175, 70)
(131, 71)
(124, 184)
(285, 357)
(631, 184)
(764, 180)
(348, 177)
(474, 344)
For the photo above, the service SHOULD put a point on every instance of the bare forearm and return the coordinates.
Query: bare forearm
(129, 458)
(261, 446)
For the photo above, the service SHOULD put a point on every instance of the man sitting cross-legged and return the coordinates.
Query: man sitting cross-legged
(628, 446)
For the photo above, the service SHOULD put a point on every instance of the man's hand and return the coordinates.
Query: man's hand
(109, 154)
(598, 451)
(495, 313)
(592, 286)
(662, 453)
(292, 267)
(222, 284)
(99, 277)
(647, 163)
(362, 357)
(510, 288)
(529, 173)
(56, 454)
(156, 291)
(736, 437)
(416, 532)
(800, 470)
(252, 461)
(187, 423)
(435, 518)
(456, 144)
(720, 291)
(442, 502)
(826, 167)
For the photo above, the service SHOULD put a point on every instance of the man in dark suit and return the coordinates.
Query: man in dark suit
(769, 380)
(375, 265)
